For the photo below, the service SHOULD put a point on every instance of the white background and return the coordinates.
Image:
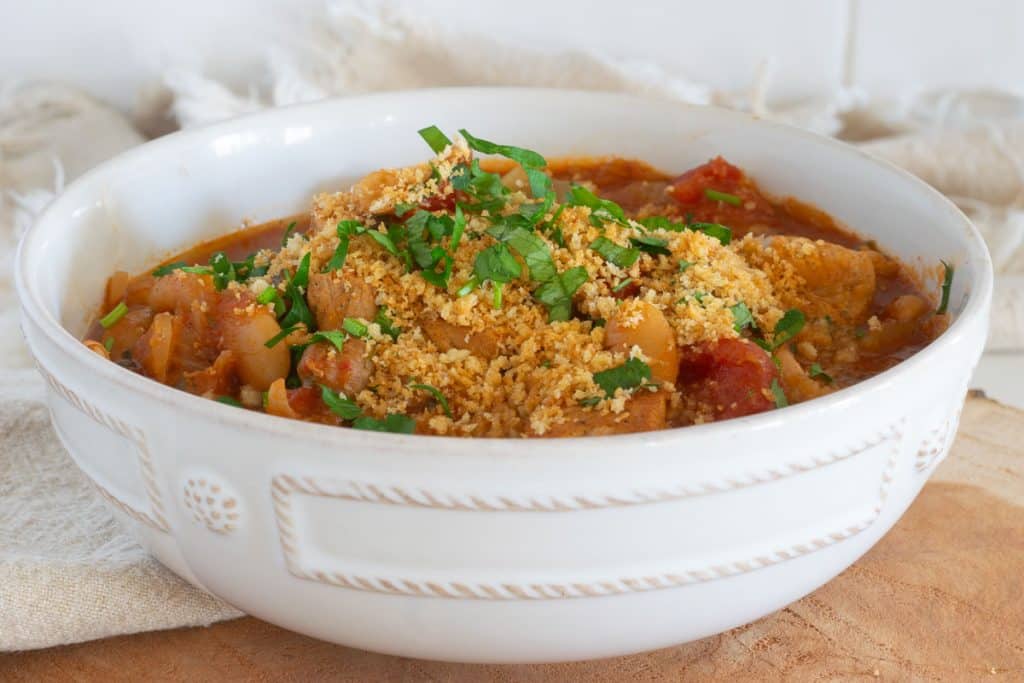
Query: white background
(887, 46)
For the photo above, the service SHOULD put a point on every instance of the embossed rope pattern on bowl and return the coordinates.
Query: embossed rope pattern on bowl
(155, 518)
(284, 487)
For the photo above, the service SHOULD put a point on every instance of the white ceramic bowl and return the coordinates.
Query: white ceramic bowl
(489, 550)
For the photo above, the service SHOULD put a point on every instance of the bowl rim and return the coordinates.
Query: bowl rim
(83, 188)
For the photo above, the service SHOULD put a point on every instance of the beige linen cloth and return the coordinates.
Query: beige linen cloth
(68, 572)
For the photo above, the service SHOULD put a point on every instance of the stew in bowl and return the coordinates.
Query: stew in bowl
(510, 295)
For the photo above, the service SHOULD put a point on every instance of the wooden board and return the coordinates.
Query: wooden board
(940, 597)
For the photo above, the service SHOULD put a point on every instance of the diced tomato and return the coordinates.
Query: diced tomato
(306, 401)
(731, 376)
(717, 174)
(439, 202)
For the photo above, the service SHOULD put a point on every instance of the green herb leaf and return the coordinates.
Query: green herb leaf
(662, 223)
(223, 270)
(433, 136)
(524, 157)
(651, 244)
(356, 328)
(623, 257)
(402, 208)
(458, 227)
(394, 422)
(287, 233)
(716, 196)
(168, 268)
(301, 278)
(947, 284)
(629, 375)
(229, 400)
(436, 393)
(556, 294)
(590, 401)
(387, 325)
(267, 295)
(471, 284)
(336, 338)
(778, 394)
(622, 285)
(339, 404)
(683, 265)
(497, 264)
(271, 295)
(280, 336)
(601, 210)
(383, 240)
(533, 250)
(788, 327)
(716, 230)
(742, 317)
(115, 314)
(816, 371)
(345, 231)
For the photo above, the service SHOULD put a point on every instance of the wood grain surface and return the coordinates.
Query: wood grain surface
(941, 597)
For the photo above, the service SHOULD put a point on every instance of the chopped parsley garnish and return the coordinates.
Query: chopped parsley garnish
(497, 264)
(485, 188)
(356, 328)
(345, 231)
(394, 422)
(183, 267)
(788, 327)
(650, 244)
(778, 394)
(168, 268)
(271, 295)
(436, 393)
(280, 336)
(339, 404)
(590, 401)
(816, 371)
(336, 338)
(622, 285)
(387, 325)
(662, 223)
(601, 210)
(742, 317)
(423, 232)
(947, 284)
(716, 196)
(630, 375)
(383, 239)
(298, 311)
(530, 247)
(433, 136)
(716, 230)
(402, 208)
(621, 256)
(115, 314)
(557, 292)
(471, 284)
(532, 162)
(230, 401)
(684, 264)
(223, 270)
(301, 278)
(287, 233)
